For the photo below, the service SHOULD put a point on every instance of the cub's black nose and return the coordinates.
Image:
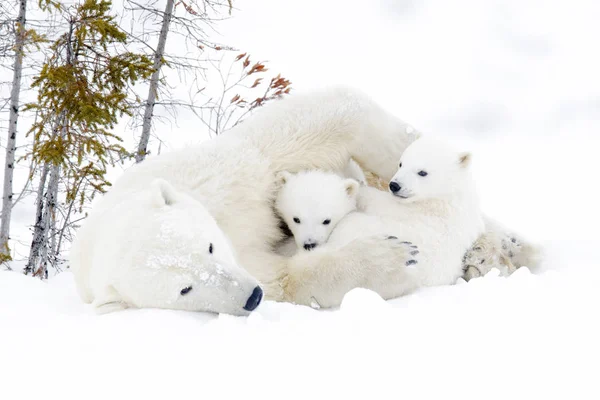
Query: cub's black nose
(395, 187)
(309, 246)
(254, 299)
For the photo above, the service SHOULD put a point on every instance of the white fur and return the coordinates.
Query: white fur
(148, 247)
(225, 189)
(312, 203)
(438, 214)
(354, 171)
(502, 249)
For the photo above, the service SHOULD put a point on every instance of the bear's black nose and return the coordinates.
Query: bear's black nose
(395, 187)
(309, 246)
(254, 299)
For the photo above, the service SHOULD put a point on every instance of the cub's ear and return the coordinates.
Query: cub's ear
(164, 193)
(351, 187)
(464, 159)
(282, 177)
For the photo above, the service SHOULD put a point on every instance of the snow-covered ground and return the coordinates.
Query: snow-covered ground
(527, 336)
(517, 83)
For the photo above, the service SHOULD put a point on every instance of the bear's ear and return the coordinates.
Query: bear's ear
(351, 186)
(282, 177)
(164, 193)
(464, 159)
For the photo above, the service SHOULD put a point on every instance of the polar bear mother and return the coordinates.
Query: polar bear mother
(138, 249)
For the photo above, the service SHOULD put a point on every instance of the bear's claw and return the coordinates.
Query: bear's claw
(510, 245)
(392, 252)
(411, 251)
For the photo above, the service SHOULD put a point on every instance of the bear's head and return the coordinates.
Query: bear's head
(179, 258)
(312, 203)
(429, 169)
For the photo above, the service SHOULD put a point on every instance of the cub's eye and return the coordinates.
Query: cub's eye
(400, 165)
(297, 220)
(327, 222)
(185, 290)
(210, 248)
(422, 173)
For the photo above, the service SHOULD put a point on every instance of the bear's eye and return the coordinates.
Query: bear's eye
(422, 173)
(400, 165)
(297, 220)
(327, 222)
(185, 290)
(210, 248)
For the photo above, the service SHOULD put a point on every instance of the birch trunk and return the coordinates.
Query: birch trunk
(152, 91)
(39, 226)
(11, 146)
(46, 252)
(41, 253)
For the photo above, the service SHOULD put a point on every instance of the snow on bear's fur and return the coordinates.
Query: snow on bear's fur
(122, 257)
(312, 203)
(433, 202)
(158, 248)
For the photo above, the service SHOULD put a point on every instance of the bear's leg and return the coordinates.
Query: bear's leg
(484, 255)
(500, 248)
(520, 251)
(321, 278)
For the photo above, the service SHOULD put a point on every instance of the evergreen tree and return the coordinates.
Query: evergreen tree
(83, 89)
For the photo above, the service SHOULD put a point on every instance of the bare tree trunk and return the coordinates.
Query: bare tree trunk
(11, 145)
(41, 252)
(39, 227)
(46, 252)
(158, 61)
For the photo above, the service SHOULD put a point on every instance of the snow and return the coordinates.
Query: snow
(526, 336)
(516, 83)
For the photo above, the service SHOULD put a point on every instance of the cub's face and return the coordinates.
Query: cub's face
(182, 260)
(312, 203)
(428, 169)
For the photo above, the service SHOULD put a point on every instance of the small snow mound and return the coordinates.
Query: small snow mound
(493, 273)
(277, 312)
(255, 318)
(64, 280)
(361, 299)
(521, 272)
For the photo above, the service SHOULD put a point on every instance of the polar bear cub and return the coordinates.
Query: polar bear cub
(433, 203)
(311, 203)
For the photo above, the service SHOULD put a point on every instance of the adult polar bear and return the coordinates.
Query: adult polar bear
(149, 241)
(114, 257)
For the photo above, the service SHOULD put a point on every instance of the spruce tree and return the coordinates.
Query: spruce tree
(83, 90)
